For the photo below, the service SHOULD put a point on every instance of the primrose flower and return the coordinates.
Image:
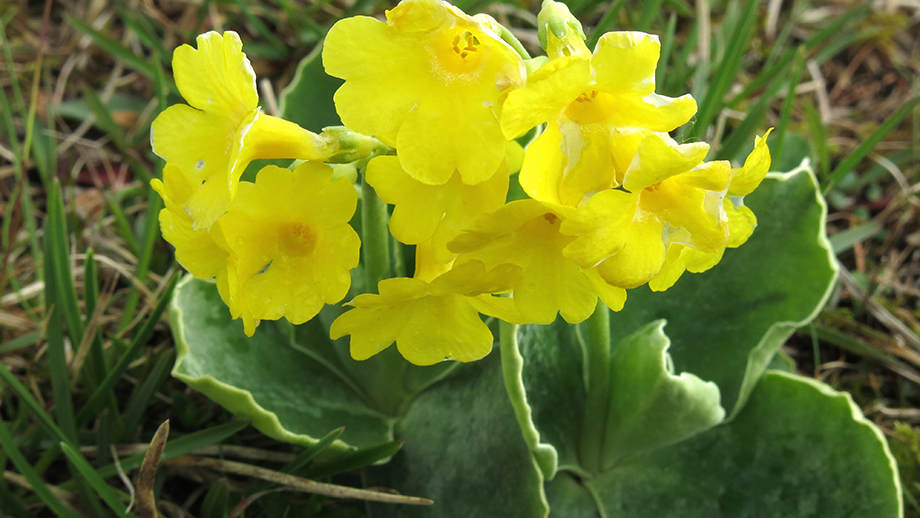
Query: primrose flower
(437, 213)
(198, 251)
(526, 234)
(290, 244)
(741, 221)
(214, 138)
(429, 82)
(433, 317)
(669, 197)
(599, 108)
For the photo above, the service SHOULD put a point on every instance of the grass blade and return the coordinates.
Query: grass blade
(726, 70)
(819, 140)
(785, 113)
(869, 143)
(114, 375)
(143, 392)
(118, 50)
(25, 396)
(38, 485)
(358, 459)
(60, 299)
(96, 482)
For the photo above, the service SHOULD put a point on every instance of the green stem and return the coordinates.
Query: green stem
(510, 39)
(375, 237)
(512, 370)
(597, 340)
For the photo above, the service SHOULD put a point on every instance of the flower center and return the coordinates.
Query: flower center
(297, 239)
(591, 107)
(459, 51)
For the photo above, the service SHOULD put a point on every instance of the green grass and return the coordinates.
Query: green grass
(85, 366)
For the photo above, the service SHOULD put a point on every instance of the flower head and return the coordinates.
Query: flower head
(222, 129)
(290, 243)
(430, 82)
(669, 196)
(526, 234)
(430, 319)
(741, 221)
(599, 107)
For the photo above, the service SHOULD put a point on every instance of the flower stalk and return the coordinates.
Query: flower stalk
(597, 341)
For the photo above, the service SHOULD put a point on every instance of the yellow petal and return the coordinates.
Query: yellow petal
(216, 76)
(372, 329)
(452, 129)
(548, 91)
(433, 212)
(756, 167)
(659, 158)
(625, 62)
(613, 297)
(741, 224)
(375, 62)
(597, 225)
(496, 225)
(544, 163)
(697, 212)
(549, 282)
(444, 328)
(195, 141)
(502, 308)
(472, 279)
(640, 260)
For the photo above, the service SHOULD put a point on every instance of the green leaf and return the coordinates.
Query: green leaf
(650, 406)
(307, 100)
(287, 394)
(464, 450)
(798, 449)
(554, 379)
(726, 324)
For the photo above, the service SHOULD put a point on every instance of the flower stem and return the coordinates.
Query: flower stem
(597, 339)
(509, 38)
(375, 237)
(512, 369)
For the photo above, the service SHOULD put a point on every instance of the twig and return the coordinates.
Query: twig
(296, 483)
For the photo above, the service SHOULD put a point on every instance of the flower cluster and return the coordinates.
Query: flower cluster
(613, 202)
(278, 247)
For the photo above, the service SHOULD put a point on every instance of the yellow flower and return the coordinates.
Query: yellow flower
(741, 221)
(198, 251)
(429, 82)
(669, 197)
(222, 129)
(430, 319)
(433, 212)
(525, 234)
(291, 245)
(599, 108)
